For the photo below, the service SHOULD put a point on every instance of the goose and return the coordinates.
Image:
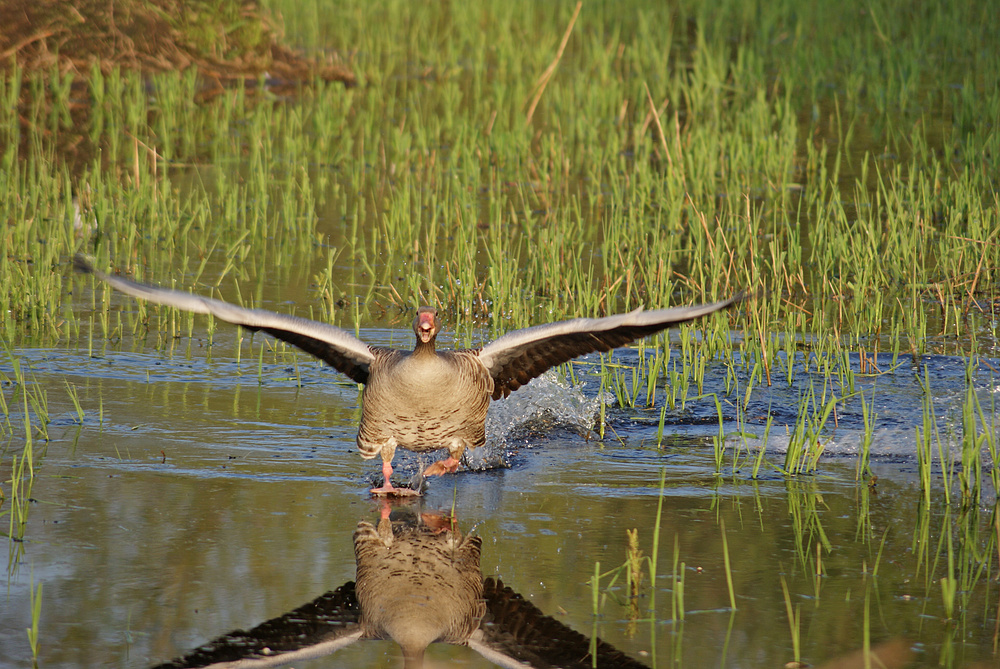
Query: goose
(418, 582)
(424, 400)
(417, 578)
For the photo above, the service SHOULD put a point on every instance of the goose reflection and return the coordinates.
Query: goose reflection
(418, 582)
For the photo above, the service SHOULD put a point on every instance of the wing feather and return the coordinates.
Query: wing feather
(338, 348)
(320, 627)
(514, 634)
(521, 355)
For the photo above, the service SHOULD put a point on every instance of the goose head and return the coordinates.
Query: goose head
(425, 325)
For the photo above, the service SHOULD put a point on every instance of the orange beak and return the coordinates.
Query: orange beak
(425, 325)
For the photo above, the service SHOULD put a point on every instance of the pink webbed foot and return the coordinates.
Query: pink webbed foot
(437, 522)
(446, 466)
(390, 490)
(387, 487)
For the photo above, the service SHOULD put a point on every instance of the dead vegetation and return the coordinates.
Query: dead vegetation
(225, 40)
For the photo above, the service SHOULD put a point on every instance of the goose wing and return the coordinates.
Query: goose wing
(515, 634)
(323, 626)
(521, 355)
(338, 348)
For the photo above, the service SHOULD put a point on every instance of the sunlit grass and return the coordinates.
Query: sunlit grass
(302, 163)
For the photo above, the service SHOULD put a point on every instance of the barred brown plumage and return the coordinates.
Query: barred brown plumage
(418, 585)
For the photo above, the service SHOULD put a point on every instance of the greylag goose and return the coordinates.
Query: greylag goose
(416, 585)
(425, 399)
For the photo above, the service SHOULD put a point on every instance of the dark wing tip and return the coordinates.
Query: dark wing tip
(82, 264)
(332, 614)
(523, 632)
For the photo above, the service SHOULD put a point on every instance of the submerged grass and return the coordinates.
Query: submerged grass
(15, 493)
(36, 614)
(955, 551)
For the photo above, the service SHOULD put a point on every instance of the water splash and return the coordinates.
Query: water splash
(548, 404)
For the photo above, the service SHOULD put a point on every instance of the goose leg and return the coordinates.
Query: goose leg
(389, 450)
(449, 464)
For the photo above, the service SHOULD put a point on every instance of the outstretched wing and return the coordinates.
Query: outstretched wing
(515, 634)
(338, 348)
(521, 355)
(324, 625)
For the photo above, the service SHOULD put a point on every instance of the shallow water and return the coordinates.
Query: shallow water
(203, 494)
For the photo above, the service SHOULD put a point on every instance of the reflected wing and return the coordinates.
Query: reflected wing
(318, 628)
(519, 356)
(515, 634)
(338, 348)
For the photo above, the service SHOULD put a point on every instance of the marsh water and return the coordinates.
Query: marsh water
(203, 494)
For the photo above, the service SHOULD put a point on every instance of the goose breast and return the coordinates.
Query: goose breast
(424, 402)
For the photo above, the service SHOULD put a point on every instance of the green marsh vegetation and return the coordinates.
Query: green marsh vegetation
(514, 163)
